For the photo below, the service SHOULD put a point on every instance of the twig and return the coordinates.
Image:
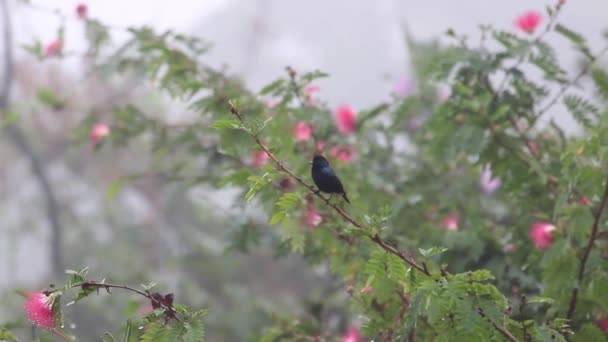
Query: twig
(524, 326)
(19, 139)
(581, 269)
(500, 329)
(375, 238)
(147, 294)
(567, 86)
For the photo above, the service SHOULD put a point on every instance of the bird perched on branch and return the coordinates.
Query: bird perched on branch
(325, 178)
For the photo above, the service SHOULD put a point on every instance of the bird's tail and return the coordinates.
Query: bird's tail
(346, 198)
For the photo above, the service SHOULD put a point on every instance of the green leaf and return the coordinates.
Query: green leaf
(227, 124)
(113, 189)
(430, 252)
(600, 77)
(128, 328)
(576, 39)
(590, 332)
(540, 300)
(274, 88)
(278, 217)
(8, 336)
(47, 96)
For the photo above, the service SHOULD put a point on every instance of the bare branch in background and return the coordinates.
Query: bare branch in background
(18, 138)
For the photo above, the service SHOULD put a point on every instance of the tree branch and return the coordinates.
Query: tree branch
(154, 300)
(500, 329)
(18, 138)
(581, 269)
(374, 238)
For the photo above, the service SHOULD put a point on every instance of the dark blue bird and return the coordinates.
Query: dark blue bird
(325, 178)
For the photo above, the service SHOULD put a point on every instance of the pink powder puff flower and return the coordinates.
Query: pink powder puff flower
(450, 222)
(345, 153)
(487, 183)
(352, 335)
(346, 119)
(309, 91)
(98, 132)
(312, 218)
(541, 234)
(53, 48)
(39, 309)
(302, 131)
(260, 158)
(528, 21)
(81, 10)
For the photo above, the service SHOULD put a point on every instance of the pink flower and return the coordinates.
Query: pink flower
(532, 147)
(528, 21)
(309, 90)
(98, 132)
(320, 145)
(487, 183)
(403, 87)
(81, 10)
(602, 323)
(367, 289)
(302, 131)
(584, 200)
(260, 158)
(53, 48)
(346, 119)
(352, 335)
(450, 222)
(542, 234)
(39, 309)
(345, 153)
(312, 218)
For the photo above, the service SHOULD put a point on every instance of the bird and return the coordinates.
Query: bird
(325, 178)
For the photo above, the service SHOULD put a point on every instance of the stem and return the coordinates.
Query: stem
(500, 329)
(108, 286)
(581, 269)
(374, 238)
(61, 334)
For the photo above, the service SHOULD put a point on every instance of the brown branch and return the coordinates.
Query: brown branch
(500, 329)
(581, 269)
(374, 238)
(154, 300)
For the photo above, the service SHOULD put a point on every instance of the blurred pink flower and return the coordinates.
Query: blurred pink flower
(352, 335)
(345, 153)
(53, 48)
(403, 87)
(450, 222)
(98, 132)
(320, 145)
(39, 309)
(312, 218)
(602, 323)
(367, 289)
(81, 10)
(302, 131)
(533, 147)
(541, 234)
(309, 91)
(487, 183)
(584, 200)
(528, 21)
(346, 119)
(260, 158)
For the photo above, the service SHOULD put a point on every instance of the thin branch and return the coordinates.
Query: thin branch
(374, 238)
(574, 81)
(147, 294)
(583, 264)
(500, 329)
(19, 139)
